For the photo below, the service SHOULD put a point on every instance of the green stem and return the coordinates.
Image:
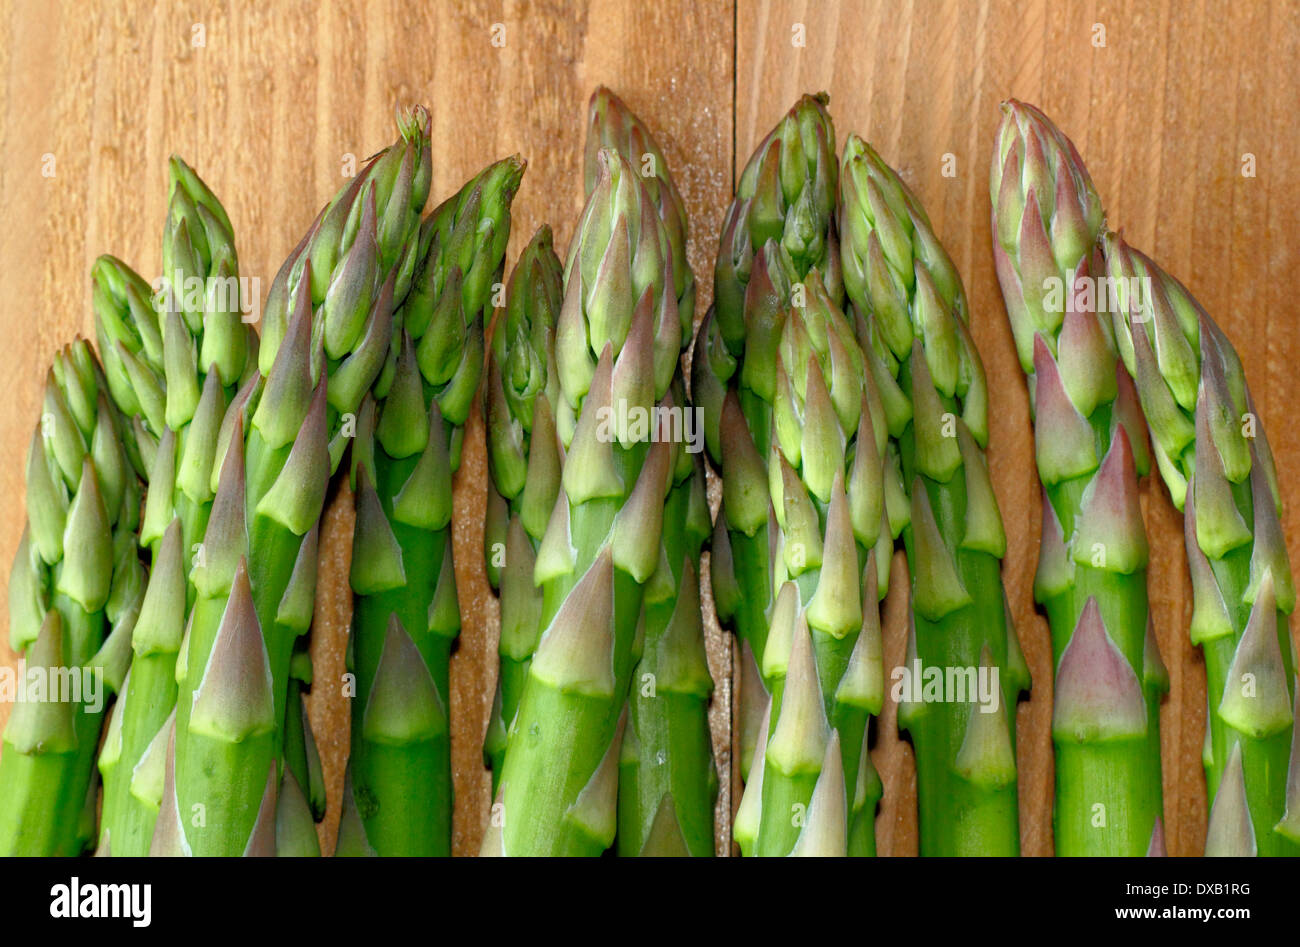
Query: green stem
(959, 816)
(667, 754)
(565, 729)
(1265, 760)
(403, 790)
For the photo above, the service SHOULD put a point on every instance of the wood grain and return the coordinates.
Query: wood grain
(1163, 113)
(277, 95)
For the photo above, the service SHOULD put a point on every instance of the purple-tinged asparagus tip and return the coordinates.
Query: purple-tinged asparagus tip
(1255, 697)
(1064, 443)
(1231, 832)
(234, 699)
(261, 841)
(576, 651)
(1098, 695)
(1156, 848)
(404, 706)
(1110, 533)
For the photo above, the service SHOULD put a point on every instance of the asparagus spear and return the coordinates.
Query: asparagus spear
(131, 760)
(1091, 448)
(668, 784)
(180, 393)
(74, 594)
(128, 333)
(406, 614)
(667, 780)
(326, 335)
(1215, 459)
(524, 459)
(611, 124)
(359, 260)
(912, 324)
(159, 351)
(778, 228)
(617, 344)
(812, 788)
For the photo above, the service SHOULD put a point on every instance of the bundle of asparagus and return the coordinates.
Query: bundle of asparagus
(74, 595)
(845, 406)
(326, 334)
(173, 369)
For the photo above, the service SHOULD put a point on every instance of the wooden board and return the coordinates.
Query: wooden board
(267, 100)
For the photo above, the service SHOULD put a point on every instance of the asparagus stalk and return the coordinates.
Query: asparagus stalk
(326, 335)
(668, 784)
(406, 615)
(300, 802)
(524, 459)
(667, 780)
(179, 393)
(812, 788)
(778, 228)
(256, 587)
(1091, 448)
(208, 349)
(912, 324)
(1215, 459)
(74, 594)
(617, 344)
(300, 754)
(131, 760)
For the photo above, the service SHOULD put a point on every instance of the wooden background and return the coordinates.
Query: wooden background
(1164, 99)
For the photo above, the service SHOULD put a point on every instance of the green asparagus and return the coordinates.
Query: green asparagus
(1091, 447)
(406, 613)
(128, 333)
(1211, 450)
(524, 459)
(611, 124)
(179, 395)
(74, 594)
(667, 781)
(778, 228)
(300, 801)
(131, 760)
(812, 788)
(256, 588)
(300, 754)
(617, 344)
(912, 326)
(668, 784)
(326, 333)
